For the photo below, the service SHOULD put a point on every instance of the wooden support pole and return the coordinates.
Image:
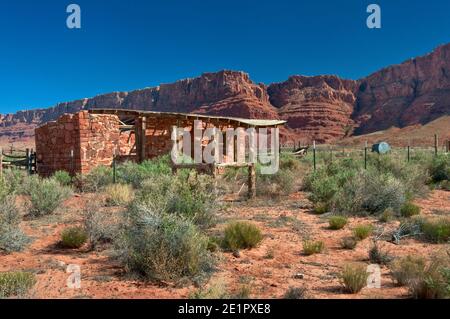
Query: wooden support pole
(251, 181)
(365, 156)
(314, 155)
(1, 163)
(27, 152)
(435, 144)
(143, 132)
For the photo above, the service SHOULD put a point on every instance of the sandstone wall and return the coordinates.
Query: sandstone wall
(92, 139)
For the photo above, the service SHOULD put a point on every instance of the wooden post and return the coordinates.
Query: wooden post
(114, 168)
(435, 144)
(409, 155)
(251, 181)
(314, 155)
(28, 160)
(143, 132)
(365, 156)
(1, 163)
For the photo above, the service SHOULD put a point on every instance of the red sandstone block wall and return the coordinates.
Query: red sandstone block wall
(94, 139)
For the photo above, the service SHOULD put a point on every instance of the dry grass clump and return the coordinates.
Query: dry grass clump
(311, 247)
(409, 210)
(337, 222)
(73, 237)
(16, 283)
(119, 194)
(363, 231)
(354, 277)
(349, 243)
(296, 293)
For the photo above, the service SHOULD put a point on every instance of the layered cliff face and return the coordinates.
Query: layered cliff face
(317, 107)
(414, 92)
(324, 108)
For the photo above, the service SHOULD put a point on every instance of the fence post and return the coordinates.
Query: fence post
(314, 155)
(1, 163)
(435, 144)
(409, 154)
(114, 168)
(28, 160)
(365, 156)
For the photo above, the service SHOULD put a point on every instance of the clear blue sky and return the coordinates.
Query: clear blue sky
(125, 45)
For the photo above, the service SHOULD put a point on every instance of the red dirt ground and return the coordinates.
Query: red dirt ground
(284, 225)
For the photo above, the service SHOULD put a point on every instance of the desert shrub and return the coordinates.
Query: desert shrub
(378, 256)
(241, 235)
(275, 185)
(405, 269)
(440, 168)
(73, 237)
(409, 209)
(46, 195)
(445, 185)
(16, 283)
(134, 174)
(119, 194)
(387, 215)
(12, 182)
(354, 277)
(337, 222)
(289, 162)
(97, 179)
(349, 243)
(321, 208)
(217, 290)
(361, 232)
(100, 230)
(436, 230)
(163, 246)
(296, 293)
(434, 281)
(63, 178)
(311, 247)
(11, 237)
(323, 189)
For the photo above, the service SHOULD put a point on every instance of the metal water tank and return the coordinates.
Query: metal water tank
(381, 148)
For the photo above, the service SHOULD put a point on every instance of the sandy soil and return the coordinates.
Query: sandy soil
(269, 270)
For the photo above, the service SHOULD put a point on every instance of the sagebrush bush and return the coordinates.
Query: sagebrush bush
(361, 232)
(46, 195)
(434, 281)
(409, 209)
(11, 236)
(349, 243)
(73, 237)
(436, 230)
(163, 246)
(296, 293)
(311, 247)
(406, 269)
(241, 235)
(63, 178)
(16, 283)
(97, 179)
(354, 277)
(387, 215)
(337, 222)
(100, 228)
(323, 189)
(321, 208)
(275, 185)
(378, 256)
(135, 174)
(440, 168)
(216, 290)
(119, 194)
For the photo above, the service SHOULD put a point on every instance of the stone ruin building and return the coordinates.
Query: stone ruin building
(76, 143)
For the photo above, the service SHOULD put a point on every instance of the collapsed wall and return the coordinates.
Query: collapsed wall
(76, 143)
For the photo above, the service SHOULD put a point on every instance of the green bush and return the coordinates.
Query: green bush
(409, 209)
(16, 284)
(311, 247)
(11, 237)
(387, 215)
(406, 269)
(354, 277)
(163, 246)
(73, 237)
(440, 168)
(434, 281)
(321, 208)
(323, 189)
(63, 178)
(241, 235)
(361, 232)
(46, 195)
(437, 230)
(349, 243)
(135, 174)
(96, 180)
(337, 222)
